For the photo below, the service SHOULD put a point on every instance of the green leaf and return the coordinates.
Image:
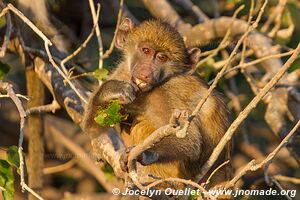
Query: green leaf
(4, 68)
(2, 21)
(4, 167)
(9, 192)
(295, 65)
(13, 156)
(108, 172)
(7, 180)
(110, 115)
(101, 74)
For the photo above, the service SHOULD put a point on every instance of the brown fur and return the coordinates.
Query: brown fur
(152, 108)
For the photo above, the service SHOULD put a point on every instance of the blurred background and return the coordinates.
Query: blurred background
(66, 175)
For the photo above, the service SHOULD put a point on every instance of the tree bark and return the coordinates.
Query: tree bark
(35, 90)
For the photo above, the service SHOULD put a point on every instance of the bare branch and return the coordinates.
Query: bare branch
(192, 8)
(98, 33)
(111, 47)
(60, 168)
(229, 133)
(287, 179)
(83, 45)
(45, 108)
(8, 87)
(253, 165)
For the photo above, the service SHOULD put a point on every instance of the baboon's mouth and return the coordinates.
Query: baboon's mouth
(140, 83)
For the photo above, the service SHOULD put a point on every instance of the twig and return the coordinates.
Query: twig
(238, 56)
(277, 20)
(83, 45)
(191, 7)
(253, 165)
(63, 74)
(8, 31)
(248, 23)
(217, 169)
(281, 188)
(277, 12)
(8, 87)
(47, 43)
(223, 43)
(60, 168)
(247, 76)
(186, 182)
(229, 133)
(287, 179)
(153, 138)
(18, 95)
(111, 47)
(26, 20)
(98, 33)
(84, 159)
(257, 61)
(220, 74)
(44, 108)
(2, 188)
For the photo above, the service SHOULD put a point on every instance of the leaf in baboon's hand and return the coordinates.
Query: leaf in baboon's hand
(4, 68)
(110, 115)
(101, 74)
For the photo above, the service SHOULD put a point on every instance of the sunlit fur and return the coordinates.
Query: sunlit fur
(178, 157)
(160, 34)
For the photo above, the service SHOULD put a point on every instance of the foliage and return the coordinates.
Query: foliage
(109, 115)
(4, 68)
(100, 74)
(108, 171)
(6, 172)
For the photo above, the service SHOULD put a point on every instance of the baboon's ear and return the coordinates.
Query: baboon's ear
(194, 54)
(124, 28)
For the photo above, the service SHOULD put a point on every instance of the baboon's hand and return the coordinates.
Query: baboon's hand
(123, 91)
(146, 158)
(124, 159)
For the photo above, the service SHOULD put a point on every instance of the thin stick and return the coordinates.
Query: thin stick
(220, 74)
(223, 44)
(287, 179)
(59, 168)
(18, 95)
(253, 165)
(111, 47)
(26, 20)
(217, 169)
(98, 33)
(47, 43)
(257, 61)
(84, 44)
(44, 108)
(2, 188)
(7, 34)
(229, 133)
(187, 182)
(9, 89)
(62, 74)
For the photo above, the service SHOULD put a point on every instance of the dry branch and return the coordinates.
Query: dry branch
(229, 133)
(253, 165)
(8, 87)
(98, 33)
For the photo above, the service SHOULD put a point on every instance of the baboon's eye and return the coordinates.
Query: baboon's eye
(146, 50)
(162, 57)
